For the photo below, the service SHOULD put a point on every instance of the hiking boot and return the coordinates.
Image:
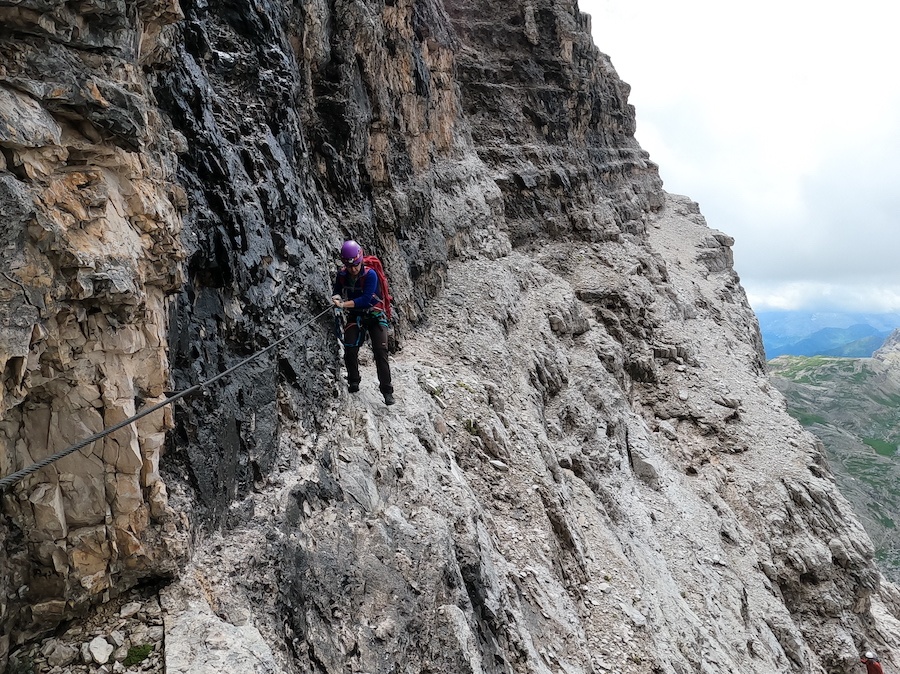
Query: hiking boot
(353, 387)
(389, 399)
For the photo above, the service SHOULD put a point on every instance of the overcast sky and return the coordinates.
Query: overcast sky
(782, 120)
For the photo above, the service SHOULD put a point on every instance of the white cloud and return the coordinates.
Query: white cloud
(782, 120)
(824, 296)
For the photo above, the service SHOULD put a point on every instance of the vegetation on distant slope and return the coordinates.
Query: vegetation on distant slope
(882, 447)
(853, 406)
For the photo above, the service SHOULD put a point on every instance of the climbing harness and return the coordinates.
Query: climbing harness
(13, 478)
(360, 332)
(344, 320)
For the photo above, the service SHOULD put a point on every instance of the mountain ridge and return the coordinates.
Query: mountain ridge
(824, 333)
(587, 468)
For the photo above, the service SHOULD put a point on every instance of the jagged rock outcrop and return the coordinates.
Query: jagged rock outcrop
(889, 352)
(586, 470)
(852, 406)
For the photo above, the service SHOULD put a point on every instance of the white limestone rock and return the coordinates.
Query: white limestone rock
(100, 650)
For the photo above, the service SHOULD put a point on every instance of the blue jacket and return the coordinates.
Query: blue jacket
(363, 290)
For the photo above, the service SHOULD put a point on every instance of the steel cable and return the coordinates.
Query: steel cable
(13, 478)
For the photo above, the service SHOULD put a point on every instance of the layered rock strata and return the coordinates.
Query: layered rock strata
(586, 471)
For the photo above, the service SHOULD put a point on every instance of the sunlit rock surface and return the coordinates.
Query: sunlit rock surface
(92, 216)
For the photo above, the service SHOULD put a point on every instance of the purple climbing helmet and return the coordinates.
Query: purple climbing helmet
(351, 253)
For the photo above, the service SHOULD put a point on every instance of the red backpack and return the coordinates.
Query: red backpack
(384, 290)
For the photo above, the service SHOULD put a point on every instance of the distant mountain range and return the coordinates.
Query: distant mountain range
(823, 333)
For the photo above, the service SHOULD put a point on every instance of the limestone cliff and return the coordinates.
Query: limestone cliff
(91, 249)
(586, 470)
(889, 353)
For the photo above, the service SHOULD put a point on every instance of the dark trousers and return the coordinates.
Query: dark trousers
(379, 336)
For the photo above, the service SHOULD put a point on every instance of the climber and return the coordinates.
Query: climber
(871, 663)
(357, 288)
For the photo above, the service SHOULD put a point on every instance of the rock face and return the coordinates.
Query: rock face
(90, 251)
(889, 353)
(586, 470)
